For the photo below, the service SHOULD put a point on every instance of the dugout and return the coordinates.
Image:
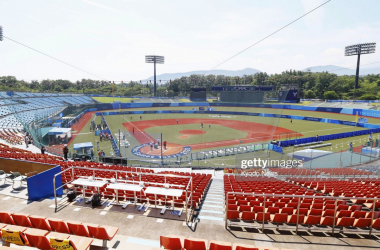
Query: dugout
(59, 136)
(83, 151)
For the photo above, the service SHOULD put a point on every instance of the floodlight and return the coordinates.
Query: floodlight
(358, 49)
(155, 59)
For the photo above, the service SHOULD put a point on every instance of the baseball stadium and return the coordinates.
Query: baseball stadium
(213, 159)
(306, 146)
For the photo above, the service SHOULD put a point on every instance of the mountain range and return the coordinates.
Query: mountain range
(250, 71)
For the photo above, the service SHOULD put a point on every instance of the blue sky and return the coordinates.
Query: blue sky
(111, 37)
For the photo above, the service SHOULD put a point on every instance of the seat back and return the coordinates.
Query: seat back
(195, 244)
(287, 210)
(233, 215)
(22, 220)
(6, 218)
(59, 226)
(170, 243)
(344, 213)
(216, 246)
(273, 210)
(359, 214)
(98, 232)
(280, 218)
(246, 248)
(362, 222)
(78, 228)
(39, 223)
(248, 216)
(316, 211)
(40, 242)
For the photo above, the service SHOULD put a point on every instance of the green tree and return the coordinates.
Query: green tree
(309, 94)
(368, 97)
(331, 95)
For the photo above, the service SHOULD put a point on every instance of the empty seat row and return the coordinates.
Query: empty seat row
(173, 242)
(41, 239)
(96, 231)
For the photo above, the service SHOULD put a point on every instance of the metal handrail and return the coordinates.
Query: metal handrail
(190, 183)
(298, 207)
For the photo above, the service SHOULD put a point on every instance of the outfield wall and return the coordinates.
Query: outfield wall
(361, 112)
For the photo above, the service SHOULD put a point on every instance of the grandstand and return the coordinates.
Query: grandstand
(18, 110)
(338, 104)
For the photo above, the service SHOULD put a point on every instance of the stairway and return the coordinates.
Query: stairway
(212, 208)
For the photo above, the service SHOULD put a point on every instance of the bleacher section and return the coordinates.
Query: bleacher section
(29, 107)
(307, 203)
(351, 105)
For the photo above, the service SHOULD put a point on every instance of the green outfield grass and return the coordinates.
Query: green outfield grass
(217, 133)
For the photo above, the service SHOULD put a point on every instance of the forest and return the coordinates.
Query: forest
(323, 85)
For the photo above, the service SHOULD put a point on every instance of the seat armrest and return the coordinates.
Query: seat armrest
(80, 243)
(111, 231)
(60, 236)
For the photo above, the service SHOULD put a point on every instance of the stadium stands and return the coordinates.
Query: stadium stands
(29, 107)
(343, 172)
(308, 202)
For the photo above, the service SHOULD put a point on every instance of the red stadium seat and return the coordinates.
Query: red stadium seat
(22, 219)
(345, 222)
(218, 245)
(233, 215)
(5, 217)
(59, 226)
(293, 219)
(359, 214)
(39, 222)
(313, 220)
(195, 244)
(362, 222)
(248, 216)
(279, 218)
(260, 217)
(171, 242)
(78, 228)
(105, 233)
(244, 247)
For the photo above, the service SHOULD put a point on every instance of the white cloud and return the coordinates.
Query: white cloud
(299, 57)
(100, 5)
(315, 18)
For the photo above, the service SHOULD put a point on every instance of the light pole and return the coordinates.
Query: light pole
(358, 49)
(155, 59)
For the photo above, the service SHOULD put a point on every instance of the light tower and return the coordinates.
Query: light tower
(1, 33)
(155, 59)
(358, 49)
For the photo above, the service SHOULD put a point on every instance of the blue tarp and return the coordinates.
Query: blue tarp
(40, 186)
